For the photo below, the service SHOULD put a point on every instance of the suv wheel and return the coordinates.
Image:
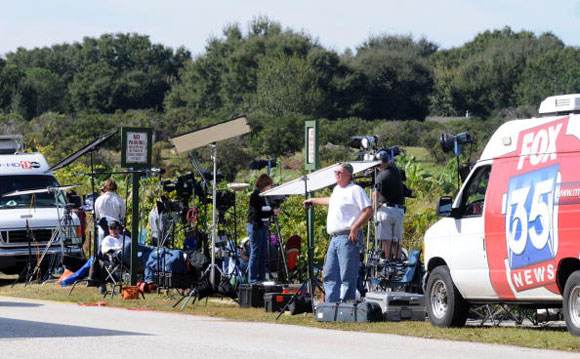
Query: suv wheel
(445, 305)
(571, 303)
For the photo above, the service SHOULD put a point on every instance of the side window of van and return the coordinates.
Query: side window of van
(473, 197)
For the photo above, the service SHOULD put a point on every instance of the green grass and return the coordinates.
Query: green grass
(541, 338)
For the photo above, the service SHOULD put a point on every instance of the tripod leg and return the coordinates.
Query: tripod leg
(300, 291)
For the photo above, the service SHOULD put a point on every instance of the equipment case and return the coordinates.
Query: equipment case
(349, 312)
(397, 306)
(252, 295)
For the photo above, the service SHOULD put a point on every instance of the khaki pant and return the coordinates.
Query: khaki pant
(390, 230)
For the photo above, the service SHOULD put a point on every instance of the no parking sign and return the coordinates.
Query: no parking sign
(136, 147)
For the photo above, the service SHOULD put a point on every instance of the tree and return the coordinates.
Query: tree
(225, 78)
(109, 73)
(39, 91)
(482, 76)
(399, 80)
(550, 73)
(288, 85)
(10, 76)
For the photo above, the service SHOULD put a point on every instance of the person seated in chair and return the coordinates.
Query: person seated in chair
(115, 240)
(110, 250)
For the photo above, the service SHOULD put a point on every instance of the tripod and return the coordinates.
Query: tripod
(28, 270)
(64, 230)
(281, 250)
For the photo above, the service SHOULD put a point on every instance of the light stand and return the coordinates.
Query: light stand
(213, 213)
(210, 136)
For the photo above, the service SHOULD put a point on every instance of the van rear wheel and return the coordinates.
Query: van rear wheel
(571, 303)
(445, 305)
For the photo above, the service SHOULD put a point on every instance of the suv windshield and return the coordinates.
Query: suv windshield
(21, 183)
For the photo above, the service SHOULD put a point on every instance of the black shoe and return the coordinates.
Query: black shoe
(102, 289)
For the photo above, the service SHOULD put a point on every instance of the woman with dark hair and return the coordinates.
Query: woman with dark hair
(258, 214)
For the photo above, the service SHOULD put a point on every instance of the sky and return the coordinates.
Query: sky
(336, 24)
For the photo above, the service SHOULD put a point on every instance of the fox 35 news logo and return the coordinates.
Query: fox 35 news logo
(532, 217)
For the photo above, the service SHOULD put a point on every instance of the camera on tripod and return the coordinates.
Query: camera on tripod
(224, 200)
(183, 185)
(363, 142)
(275, 201)
(453, 142)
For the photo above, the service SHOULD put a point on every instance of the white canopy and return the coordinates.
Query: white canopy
(316, 180)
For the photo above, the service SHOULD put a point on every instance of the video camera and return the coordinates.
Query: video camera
(275, 201)
(363, 142)
(225, 200)
(184, 185)
(453, 142)
(165, 205)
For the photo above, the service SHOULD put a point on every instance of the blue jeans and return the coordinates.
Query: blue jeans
(341, 269)
(258, 247)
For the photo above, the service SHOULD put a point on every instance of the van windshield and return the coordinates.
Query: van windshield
(21, 183)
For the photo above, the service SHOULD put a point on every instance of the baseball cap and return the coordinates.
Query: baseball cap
(114, 224)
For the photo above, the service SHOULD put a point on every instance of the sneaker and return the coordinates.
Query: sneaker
(102, 289)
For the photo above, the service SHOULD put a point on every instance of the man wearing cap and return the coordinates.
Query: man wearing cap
(390, 198)
(349, 208)
(114, 241)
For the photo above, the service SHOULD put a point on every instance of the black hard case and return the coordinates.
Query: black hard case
(349, 312)
(397, 306)
(252, 295)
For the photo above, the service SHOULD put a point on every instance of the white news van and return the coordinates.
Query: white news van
(512, 234)
(29, 218)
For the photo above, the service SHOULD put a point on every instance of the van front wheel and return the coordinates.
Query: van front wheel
(571, 303)
(445, 305)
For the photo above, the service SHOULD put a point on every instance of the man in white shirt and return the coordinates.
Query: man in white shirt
(349, 208)
(114, 241)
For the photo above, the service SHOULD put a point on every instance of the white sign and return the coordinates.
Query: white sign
(136, 147)
(311, 145)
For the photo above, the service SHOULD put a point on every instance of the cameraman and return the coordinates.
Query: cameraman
(259, 213)
(390, 201)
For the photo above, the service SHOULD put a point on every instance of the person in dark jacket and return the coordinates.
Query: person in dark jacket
(259, 213)
(389, 195)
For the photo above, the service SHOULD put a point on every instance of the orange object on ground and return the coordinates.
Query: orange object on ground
(130, 292)
(67, 273)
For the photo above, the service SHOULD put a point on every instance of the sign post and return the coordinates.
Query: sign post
(311, 163)
(136, 155)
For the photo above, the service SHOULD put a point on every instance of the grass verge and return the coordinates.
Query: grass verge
(540, 338)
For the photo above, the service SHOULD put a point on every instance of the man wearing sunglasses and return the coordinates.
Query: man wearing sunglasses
(349, 208)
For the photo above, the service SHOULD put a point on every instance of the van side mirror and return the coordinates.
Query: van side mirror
(444, 206)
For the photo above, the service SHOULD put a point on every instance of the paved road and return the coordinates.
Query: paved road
(37, 329)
